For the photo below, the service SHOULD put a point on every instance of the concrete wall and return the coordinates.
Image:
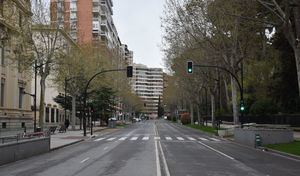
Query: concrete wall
(268, 136)
(16, 151)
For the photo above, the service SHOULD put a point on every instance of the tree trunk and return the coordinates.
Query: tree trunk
(212, 99)
(42, 102)
(297, 58)
(227, 95)
(73, 121)
(234, 101)
(192, 112)
(199, 115)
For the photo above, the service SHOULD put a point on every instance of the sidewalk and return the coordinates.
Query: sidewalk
(59, 140)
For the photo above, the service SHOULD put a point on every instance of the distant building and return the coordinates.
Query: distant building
(86, 20)
(147, 83)
(15, 107)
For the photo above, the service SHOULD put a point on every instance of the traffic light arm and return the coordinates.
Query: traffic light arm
(222, 68)
(85, 92)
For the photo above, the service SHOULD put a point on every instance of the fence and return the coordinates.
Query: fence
(22, 137)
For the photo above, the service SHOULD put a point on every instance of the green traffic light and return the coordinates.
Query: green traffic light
(242, 108)
(190, 70)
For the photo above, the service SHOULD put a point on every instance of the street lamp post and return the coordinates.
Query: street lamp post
(85, 93)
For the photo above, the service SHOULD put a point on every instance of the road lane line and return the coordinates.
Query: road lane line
(216, 151)
(134, 138)
(122, 138)
(180, 138)
(84, 160)
(158, 170)
(191, 139)
(99, 139)
(145, 138)
(214, 139)
(157, 138)
(203, 139)
(111, 139)
(105, 148)
(168, 138)
(166, 168)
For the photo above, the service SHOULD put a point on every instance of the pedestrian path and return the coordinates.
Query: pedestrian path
(162, 138)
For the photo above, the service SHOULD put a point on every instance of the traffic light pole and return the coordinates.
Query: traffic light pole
(85, 94)
(240, 85)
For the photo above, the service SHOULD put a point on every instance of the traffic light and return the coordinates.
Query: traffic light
(190, 67)
(129, 71)
(242, 106)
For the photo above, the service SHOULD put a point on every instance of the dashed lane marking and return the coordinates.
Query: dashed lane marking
(192, 139)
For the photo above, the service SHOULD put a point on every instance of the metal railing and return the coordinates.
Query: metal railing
(23, 137)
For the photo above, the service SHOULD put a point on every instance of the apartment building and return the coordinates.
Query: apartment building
(15, 107)
(147, 83)
(86, 20)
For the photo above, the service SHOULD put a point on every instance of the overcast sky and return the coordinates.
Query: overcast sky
(139, 26)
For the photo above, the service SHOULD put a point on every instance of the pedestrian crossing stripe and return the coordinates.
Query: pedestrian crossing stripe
(192, 139)
(99, 139)
(168, 138)
(203, 139)
(180, 138)
(134, 138)
(111, 139)
(214, 139)
(122, 138)
(145, 138)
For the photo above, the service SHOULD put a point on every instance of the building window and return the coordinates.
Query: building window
(52, 115)
(23, 124)
(2, 54)
(2, 93)
(47, 114)
(3, 124)
(21, 93)
(57, 115)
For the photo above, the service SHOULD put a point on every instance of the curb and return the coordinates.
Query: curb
(282, 153)
(62, 146)
(265, 149)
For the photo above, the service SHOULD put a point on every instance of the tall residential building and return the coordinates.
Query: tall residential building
(87, 21)
(15, 107)
(147, 83)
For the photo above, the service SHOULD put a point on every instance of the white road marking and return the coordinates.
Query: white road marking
(99, 139)
(214, 139)
(84, 160)
(166, 168)
(123, 138)
(192, 139)
(216, 151)
(145, 138)
(180, 138)
(158, 170)
(203, 139)
(157, 138)
(105, 148)
(111, 139)
(134, 138)
(168, 138)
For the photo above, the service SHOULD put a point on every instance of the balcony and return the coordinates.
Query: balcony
(96, 9)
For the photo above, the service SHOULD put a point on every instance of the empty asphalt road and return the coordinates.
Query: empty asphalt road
(155, 148)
